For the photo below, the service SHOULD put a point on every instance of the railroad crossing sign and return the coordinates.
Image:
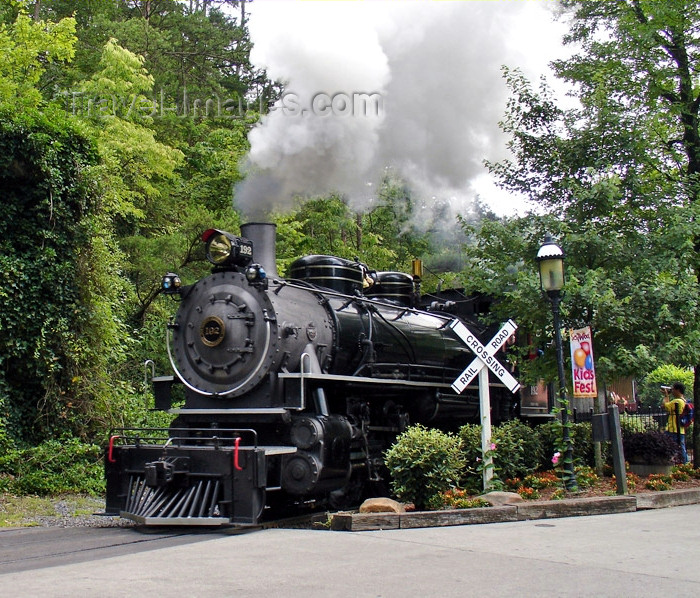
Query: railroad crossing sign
(483, 362)
(484, 356)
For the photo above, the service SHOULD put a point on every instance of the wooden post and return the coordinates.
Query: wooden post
(618, 453)
(485, 410)
(597, 448)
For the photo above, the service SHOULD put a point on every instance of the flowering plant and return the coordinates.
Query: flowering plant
(659, 482)
(528, 493)
(456, 498)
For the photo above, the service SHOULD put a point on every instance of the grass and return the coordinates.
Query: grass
(26, 511)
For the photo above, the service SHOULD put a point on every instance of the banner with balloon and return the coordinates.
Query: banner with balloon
(582, 365)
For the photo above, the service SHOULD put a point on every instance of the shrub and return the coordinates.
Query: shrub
(518, 452)
(53, 467)
(651, 447)
(581, 433)
(630, 424)
(519, 449)
(424, 462)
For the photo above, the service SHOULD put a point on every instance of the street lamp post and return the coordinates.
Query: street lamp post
(550, 258)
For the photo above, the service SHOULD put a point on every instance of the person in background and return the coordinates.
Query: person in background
(675, 407)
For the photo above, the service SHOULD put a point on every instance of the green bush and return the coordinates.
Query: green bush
(582, 438)
(424, 462)
(630, 424)
(470, 436)
(53, 467)
(518, 452)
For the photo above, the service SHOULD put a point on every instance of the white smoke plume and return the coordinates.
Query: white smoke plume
(436, 68)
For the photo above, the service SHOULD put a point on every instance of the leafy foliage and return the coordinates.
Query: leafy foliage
(518, 451)
(27, 48)
(44, 171)
(423, 462)
(455, 498)
(652, 447)
(53, 467)
(665, 374)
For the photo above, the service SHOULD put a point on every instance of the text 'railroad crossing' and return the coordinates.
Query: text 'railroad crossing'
(484, 356)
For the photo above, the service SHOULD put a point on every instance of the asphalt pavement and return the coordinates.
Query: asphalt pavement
(646, 553)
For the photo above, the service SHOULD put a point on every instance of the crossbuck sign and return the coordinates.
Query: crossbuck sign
(484, 356)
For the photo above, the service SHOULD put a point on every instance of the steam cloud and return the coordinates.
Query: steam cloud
(436, 67)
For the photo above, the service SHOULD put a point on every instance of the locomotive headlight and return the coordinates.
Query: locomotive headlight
(224, 249)
(171, 284)
(219, 249)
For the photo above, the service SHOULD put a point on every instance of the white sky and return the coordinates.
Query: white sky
(457, 49)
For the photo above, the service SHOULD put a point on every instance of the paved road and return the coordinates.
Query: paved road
(24, 549)
(651, 553)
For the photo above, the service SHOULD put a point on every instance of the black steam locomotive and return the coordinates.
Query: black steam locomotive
(293, 387)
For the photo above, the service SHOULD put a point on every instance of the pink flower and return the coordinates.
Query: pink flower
(555, 458)
(493, 446)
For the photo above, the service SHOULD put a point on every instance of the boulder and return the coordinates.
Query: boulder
(381, 505)
(499, 499)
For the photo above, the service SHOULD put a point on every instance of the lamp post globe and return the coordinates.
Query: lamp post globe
(550, 259)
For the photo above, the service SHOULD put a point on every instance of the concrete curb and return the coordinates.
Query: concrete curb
(574, 507)
(669, 498)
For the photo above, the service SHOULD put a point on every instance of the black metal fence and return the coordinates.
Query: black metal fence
(638, 420)
(643, 420)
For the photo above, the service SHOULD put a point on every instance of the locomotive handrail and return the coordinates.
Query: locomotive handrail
(146, 364)
(360, 379)
(302, 376)
(167, 438)
(110, 453)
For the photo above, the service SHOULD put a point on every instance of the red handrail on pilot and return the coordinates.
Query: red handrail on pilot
(110, 456)
(236, 446)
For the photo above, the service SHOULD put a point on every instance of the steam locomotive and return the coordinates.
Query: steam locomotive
(293, 387)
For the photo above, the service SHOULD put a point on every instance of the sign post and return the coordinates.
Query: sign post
(483, 362)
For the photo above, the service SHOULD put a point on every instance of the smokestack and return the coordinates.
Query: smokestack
(263, 235)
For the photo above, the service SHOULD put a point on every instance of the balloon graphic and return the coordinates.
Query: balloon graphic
(589, 363)
(586, 346)
(580, 357)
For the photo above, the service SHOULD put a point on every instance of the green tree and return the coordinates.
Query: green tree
(27, 48)
(622, 172)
